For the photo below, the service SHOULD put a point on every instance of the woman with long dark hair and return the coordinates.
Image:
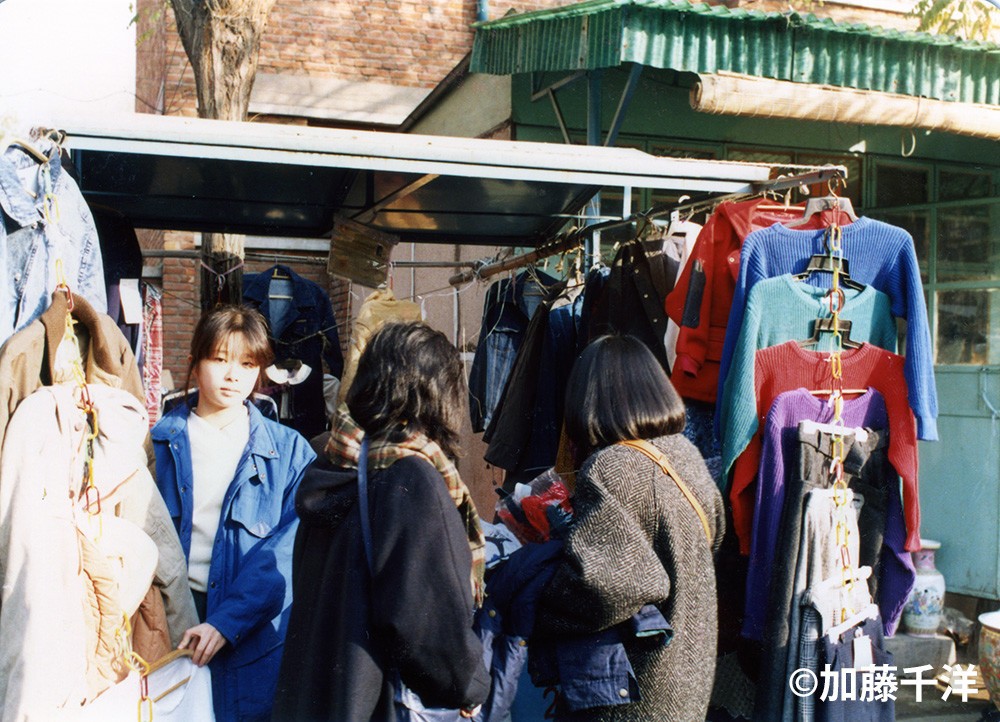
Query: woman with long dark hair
(365, 622)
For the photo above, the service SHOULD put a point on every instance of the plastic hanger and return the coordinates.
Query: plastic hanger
(869, 612)
(831, 202)
(823, 263)
(825, 325)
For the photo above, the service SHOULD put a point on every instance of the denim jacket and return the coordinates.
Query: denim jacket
(509, 306)
(306, 330)
(45, 219)
(250, 576)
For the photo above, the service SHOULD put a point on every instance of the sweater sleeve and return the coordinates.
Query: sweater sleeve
(766, 517)
(919, 367)
(751, 270)
(421, 592)
(740, 374)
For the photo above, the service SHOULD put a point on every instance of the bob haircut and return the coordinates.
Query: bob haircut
(238, 329)
(618, 391)
(410, 378)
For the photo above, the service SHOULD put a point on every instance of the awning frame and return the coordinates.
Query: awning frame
(191, 174)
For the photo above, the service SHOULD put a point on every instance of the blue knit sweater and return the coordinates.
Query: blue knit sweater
(880, 255)
(782, 309)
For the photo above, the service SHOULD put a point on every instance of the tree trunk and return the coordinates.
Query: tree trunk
(222, 41)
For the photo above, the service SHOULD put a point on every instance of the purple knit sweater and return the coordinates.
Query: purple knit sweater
(779, 456)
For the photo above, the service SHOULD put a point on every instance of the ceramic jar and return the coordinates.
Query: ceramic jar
(923, 609)
(989, 654)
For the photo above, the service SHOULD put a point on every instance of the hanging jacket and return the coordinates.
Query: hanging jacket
(28, 357)
(641, 275)
(379, 308)
(308, 333)
(701, 300)
(510, 303)
(250, 585)
(27, 361)
(44, 220)
(73, 561)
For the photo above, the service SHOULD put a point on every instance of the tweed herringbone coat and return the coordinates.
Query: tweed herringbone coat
(637, 540)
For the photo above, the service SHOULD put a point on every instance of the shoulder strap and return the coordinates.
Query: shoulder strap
(660, 459)
(366, 525)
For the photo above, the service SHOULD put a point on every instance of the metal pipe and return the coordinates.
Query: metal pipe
(482, 11)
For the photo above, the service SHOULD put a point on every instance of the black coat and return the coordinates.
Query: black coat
(347, 628)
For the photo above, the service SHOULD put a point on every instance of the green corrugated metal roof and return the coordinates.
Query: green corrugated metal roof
(708, 39)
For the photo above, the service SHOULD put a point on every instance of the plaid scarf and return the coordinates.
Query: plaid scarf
(344, 449)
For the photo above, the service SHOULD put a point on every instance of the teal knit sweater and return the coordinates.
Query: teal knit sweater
(782, 309)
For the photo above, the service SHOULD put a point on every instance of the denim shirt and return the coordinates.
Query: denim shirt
(36, 232)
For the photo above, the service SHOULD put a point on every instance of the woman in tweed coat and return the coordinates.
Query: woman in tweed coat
(637, 539)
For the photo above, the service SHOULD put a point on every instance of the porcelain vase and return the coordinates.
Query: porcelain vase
(989, 654)
(923, 609)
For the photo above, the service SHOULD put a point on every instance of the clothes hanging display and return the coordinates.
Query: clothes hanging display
(787, 367)
(523, 435)
(880, 255)
(303, 332)
(792, 458)
(510, 303)
(703, 295)
(783, 309)
(822, 452)
(45, 219)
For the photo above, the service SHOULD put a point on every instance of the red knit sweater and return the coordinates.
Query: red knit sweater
(788, 366)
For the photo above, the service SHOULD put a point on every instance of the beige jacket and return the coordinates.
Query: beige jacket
(28, 357)
(380, 307)
(68, 576)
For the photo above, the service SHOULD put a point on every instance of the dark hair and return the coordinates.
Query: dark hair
(616, 391)
(410, 378)
(216, 328)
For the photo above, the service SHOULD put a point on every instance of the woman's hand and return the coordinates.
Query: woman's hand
(205, 640)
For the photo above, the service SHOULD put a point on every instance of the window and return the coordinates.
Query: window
(953, 214)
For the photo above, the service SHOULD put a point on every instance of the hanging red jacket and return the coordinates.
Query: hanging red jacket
(699, 302)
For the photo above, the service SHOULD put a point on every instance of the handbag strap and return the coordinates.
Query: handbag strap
(660, 459)
(366, 525)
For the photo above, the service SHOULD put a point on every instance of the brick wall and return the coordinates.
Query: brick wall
(402, 42)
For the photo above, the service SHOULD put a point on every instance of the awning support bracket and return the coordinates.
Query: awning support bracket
(368, 214)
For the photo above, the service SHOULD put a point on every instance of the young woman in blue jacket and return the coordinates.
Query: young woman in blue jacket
(229, 477)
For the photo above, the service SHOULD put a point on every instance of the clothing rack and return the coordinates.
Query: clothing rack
(576, 237)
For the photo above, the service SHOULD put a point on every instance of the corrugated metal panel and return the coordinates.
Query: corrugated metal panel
(709, 39)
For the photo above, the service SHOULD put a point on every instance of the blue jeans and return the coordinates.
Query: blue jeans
(37, 232)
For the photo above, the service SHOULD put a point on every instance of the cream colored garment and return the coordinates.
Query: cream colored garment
(678, 243)
(380, 307)
(67, 577)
